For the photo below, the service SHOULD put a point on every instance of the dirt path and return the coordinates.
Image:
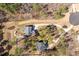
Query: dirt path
(62, 21)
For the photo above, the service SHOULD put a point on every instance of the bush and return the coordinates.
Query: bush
(42, 14)
(18, 51)
(63, 9)
(58, 14)
(36, 7)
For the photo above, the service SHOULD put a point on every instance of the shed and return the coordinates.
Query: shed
(41, 45)
(28, 30)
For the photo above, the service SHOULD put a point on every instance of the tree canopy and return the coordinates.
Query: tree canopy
(9, 7)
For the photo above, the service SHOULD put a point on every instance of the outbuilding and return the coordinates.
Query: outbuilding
(29, 29)
(41, 45)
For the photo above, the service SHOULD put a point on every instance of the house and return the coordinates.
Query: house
(41, 45)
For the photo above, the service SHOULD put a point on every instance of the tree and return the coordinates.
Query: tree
(12, 8)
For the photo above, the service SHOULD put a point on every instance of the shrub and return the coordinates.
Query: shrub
(58, 14)
(18, 51)
(63, 9)
(42, 14)
(9, 7)
(36, 7)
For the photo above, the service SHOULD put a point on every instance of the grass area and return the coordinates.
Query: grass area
(58, 15)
